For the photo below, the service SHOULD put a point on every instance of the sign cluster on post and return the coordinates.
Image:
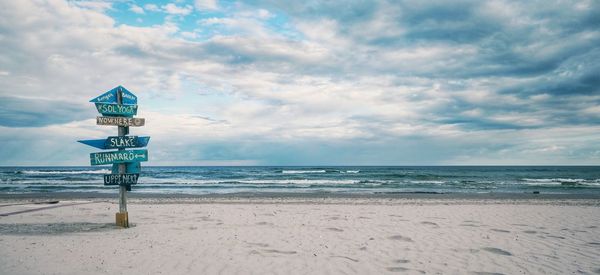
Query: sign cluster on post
(118, 106)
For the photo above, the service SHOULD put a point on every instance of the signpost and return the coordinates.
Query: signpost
(121, 156)
(121, 179)
(130, 168)
(120, 121)
(118, 106)
(117, 142)
(111, 97)
(116, 109)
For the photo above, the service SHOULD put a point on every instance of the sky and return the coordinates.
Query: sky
(306, 82)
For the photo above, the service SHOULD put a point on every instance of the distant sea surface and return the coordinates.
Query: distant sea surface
(318, 179)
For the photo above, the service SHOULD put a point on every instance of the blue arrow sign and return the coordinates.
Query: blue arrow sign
(118, 157)
(111, 96)
(131, 168)
(117, 142)
(116, 109)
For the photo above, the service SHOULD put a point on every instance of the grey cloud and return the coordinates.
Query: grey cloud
(386, 64)
(20, 112)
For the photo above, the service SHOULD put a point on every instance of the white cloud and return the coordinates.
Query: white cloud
(264, 14)
(177, 10)
(252, 85)
(99, 6)
(203, 5)
(136, 9)
(151, 7)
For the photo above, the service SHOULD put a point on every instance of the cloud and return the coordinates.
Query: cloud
(136, 9)
(369, 82)
(152, 7)
(177, 10)
(100, 6)
(203, 5)
(32, 112)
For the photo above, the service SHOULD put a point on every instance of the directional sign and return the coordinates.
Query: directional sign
(130, 168)
(118, 157)
(111, 96)
(120, 121)
(117, 142)
(116, 109)
(121, 179)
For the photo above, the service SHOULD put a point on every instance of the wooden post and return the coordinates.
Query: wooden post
(122, 217)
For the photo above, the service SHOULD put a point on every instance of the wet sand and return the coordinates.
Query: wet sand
(300, 235)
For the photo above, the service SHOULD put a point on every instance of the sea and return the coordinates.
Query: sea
(312, 179)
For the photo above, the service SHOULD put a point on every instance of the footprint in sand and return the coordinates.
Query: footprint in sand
(470, 225)
(400, 238)
(397, 269)
(432, 224)
(594, 243)
(264, 223)
(335, 229)
(500, 230)
(254, 252)
(345, 257)
(497, 251)
(401, 261)
(279, 251)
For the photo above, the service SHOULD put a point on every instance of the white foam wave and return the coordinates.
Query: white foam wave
(560, 181)
(302, 171)
(42, 172)
(427, 181)
(351, 171)
(251, 182)
(50, 182)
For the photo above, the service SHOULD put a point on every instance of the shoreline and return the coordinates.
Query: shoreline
(292, 195)
(588, 200)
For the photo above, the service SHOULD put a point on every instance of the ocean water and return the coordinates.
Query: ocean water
(321, 179)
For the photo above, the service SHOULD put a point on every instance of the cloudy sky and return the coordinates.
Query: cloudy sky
(306, 82)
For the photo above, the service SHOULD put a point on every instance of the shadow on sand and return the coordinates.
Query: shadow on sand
(54, 228)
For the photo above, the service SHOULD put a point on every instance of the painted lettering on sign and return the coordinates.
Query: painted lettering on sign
(121, 179)
(108, 97)
(121, 142)
(120, 121)
(117, 142)
(118, 157)
(111, 96)
(116, 109)
(128, 96)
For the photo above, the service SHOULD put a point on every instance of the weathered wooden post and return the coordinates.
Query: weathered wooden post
(118, 106)
(122, 217)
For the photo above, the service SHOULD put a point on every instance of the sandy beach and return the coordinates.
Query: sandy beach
(301, 236)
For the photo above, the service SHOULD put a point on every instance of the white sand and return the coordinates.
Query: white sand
(285, 237)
